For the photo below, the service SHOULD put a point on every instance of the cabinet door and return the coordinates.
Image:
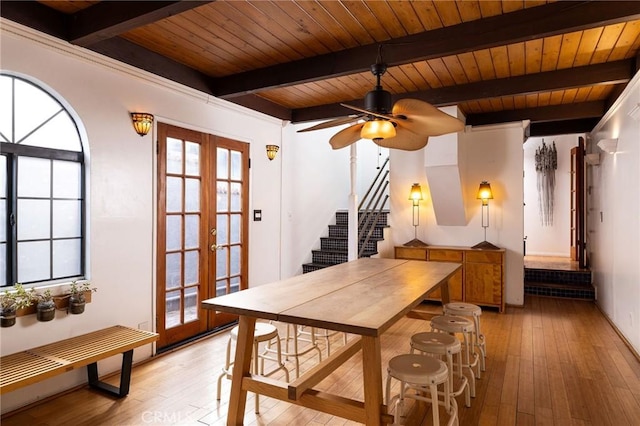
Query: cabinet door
(482, 284)
(455, 283)
(455, 288)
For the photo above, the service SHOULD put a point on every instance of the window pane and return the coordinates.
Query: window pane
(192, 231)
(236, 198)
(174, 233)
(66, 258)
(236, 165)
(32, 107)
(66, 218)
(59, 133)
(3, 264)
(174, 194)
(33, 219)
(192, 195)
(221, 263)
(235, 228)
(6, 112)
(222, 196)
(235, 285)
(190, 304)
(66, 179)
(3, 176)
(33, 261)
(221, 287)
(235, 260)
(172, 309)
(34, 177)
(222, 169)
(174, 156)
(193, 159)
(191, 267)
(223, 233)
(174, 275)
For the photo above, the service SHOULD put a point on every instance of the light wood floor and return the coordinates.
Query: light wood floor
(551, 262)
(553, 362)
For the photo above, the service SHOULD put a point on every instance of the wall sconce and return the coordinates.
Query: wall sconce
(609, 145)
(485, 194)
(272, 150)
(142, 122)
(415, 196)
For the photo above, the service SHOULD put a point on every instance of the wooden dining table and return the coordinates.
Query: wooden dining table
(363, 297)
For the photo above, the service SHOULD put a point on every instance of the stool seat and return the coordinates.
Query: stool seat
(462, 309)
(418, 369)
(435, 343)
(452, 324)
(263, 332)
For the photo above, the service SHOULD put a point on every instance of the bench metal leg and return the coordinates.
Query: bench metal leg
(125, 377)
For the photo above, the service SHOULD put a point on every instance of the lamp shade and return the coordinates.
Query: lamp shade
(484, 192)
(142, 122)
(377, 130)
(272, 150)
(416, 193)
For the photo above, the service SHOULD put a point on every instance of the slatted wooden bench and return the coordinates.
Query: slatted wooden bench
(33, 365)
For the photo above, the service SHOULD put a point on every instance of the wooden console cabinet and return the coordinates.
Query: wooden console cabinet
(481, 279)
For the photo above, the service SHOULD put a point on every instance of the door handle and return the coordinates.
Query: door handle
(215, 247)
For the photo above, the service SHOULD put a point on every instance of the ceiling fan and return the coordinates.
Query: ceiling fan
(407, 125)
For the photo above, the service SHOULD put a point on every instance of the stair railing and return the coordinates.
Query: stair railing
(375, 206)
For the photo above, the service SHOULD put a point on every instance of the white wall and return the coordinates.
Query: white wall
(614, 220)
(492, 153)
(553, 240)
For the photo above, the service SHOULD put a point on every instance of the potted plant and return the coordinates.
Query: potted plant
(10, 302)
(77, 298)
(45, 306)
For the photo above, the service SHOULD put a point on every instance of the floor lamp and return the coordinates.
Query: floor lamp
(415, 196)
(485, 194)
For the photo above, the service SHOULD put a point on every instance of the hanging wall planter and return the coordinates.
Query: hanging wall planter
(10, 303)
(78, 297)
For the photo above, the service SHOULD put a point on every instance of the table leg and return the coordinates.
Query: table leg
(241, 367)
(372, 375)
(444, 292)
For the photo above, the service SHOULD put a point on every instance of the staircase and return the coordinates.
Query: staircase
(571, 284)
(334, 248)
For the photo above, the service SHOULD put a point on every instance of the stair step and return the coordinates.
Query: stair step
(557, 276)
(342, 217)
(342, 244)
(342, 231)
(562, 290)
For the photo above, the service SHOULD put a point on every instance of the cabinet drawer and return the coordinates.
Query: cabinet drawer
(484, 257)
(445, 255)
(411, 253)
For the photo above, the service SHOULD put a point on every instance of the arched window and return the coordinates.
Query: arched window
(42, 190)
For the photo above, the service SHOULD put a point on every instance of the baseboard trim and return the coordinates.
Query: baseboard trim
(619, 333)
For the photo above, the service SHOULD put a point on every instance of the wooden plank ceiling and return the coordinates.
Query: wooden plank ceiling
(558, 64)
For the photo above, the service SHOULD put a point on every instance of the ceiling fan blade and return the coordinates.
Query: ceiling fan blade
(405, 140)
(424, 119)
(332, 123)
(346, 137)
(364, 111)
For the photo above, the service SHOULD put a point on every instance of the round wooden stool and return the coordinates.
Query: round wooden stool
(474, 311)
(421, 373)
(454, 324)
(444, 345)
(264, 333)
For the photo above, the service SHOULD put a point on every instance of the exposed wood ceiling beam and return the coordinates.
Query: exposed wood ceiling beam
(577, 111)
(111, 18)
(37, 16)
(527, 24)
(606, 73)
(584, 125)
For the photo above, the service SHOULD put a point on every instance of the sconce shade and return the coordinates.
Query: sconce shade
(272, 150)
(142, 122)
(609, 145)
(416, 193)
(378, 130)
(484, 191)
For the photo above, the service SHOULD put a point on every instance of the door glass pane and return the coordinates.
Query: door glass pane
(236, 197)
(192, 195)
(174, 156)
(223, 197)
(172, 309)
(174, 233)
(34, 177)
(3, 224)
(221, 262)
(66, 218)
(34, 261)
(3, 176)
(191, 267)
(192, 231)
(236, 221)
(235, 285)
(33, 219)
(66, 258)
(236, 165)
(66, 179)
(235, 260)
(222, 170)
(192, 165)
(173, 271)
(190, 304)
(221, 287)
(222, 237)
(3, 265)
(174, 194)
